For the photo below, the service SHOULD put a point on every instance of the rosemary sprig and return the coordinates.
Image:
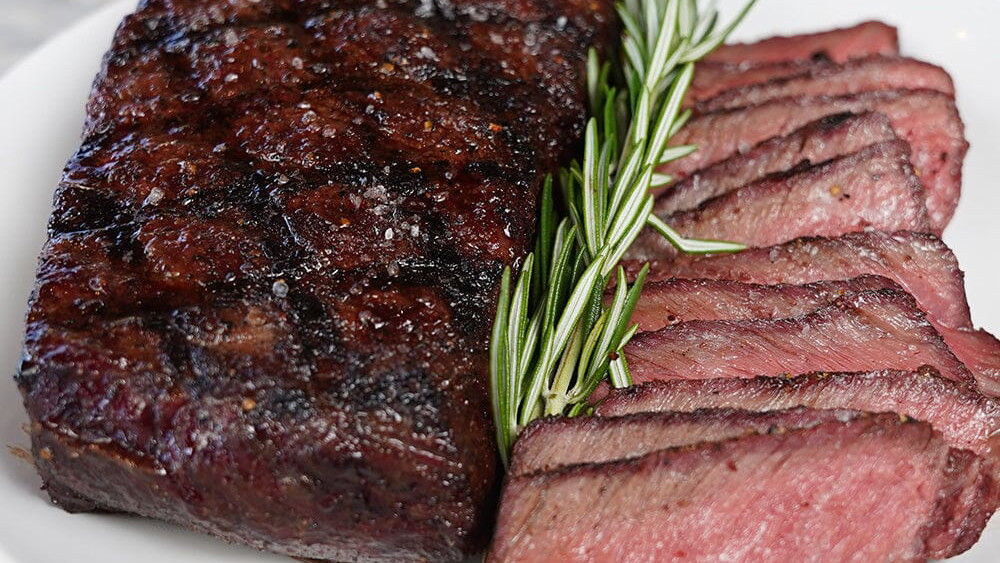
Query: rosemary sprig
(554, 338)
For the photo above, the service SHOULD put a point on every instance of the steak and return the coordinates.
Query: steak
(816, 142)
(264, 306)
(853, 77)
(928, 120)
(555, 442)
(838, 45)
(923, 265)
(832, 492)
(713, 78)
(669, 302)
(874, 188)
(966, 418)
(858, 332)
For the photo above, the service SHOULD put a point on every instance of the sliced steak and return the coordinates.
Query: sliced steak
(551, 443)
(853, 77)
(834, 489)
(264, 308)
(928, 120)
(816, 142)
(919, 262)
(838, 45)
(713, 78)
(874, 188)
(966, 418)
(859, 332)
(668, 302)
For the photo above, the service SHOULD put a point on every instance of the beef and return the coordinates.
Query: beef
(669, 302)
(830, 492)
(858, 332)
(928, 120)
(713, 78)
(555, 442)
(838, 45)
(967, 419)
(861, 75)
(919, 262)
(264, 307)
(816, 142)
(874, 188)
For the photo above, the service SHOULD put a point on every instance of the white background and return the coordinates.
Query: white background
(41, 108)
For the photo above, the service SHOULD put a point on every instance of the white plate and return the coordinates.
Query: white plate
(41, 111)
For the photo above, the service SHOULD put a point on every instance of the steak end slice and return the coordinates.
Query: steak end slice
(555, 442)
(926, 119)
(838, 45)
(920, 263)
(833, 488)
(872, 189)
(819, 141)
(964, 416)
(713, 78)
(853, 77)
(264, 307)
(861, 331)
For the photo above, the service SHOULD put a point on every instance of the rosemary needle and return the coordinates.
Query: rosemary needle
(554, 337)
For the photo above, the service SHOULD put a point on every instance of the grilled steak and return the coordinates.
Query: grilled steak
(551, 443)
(858, 332)
(862, 75)
(965, 417)
(264, 307)
(713, 78)
(928, 120)
(874, 188)
(832, 492)
(669, 302)
(920, 263)
(838, 45)
(816, 142)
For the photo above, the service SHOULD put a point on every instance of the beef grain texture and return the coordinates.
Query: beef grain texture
(926, 119)
(669, 302)
(837, 45)
(921, 263)
(964, 416)
(831, 492)
(555, 442)
(872, 189)
(819, 141)
(859, 332)
(853, 77)
(264, 306)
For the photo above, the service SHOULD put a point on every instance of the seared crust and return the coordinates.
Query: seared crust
(264, 307)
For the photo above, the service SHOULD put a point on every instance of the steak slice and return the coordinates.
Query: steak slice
(714, 78)
(853, 77)
(838, 45)
(858, 332)
(874, 188)
(923, 265)
(967, 419)
(555, 442)
(264, 308)
(928, 120)
(669, 302)
(834, 489)
(816, 142)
